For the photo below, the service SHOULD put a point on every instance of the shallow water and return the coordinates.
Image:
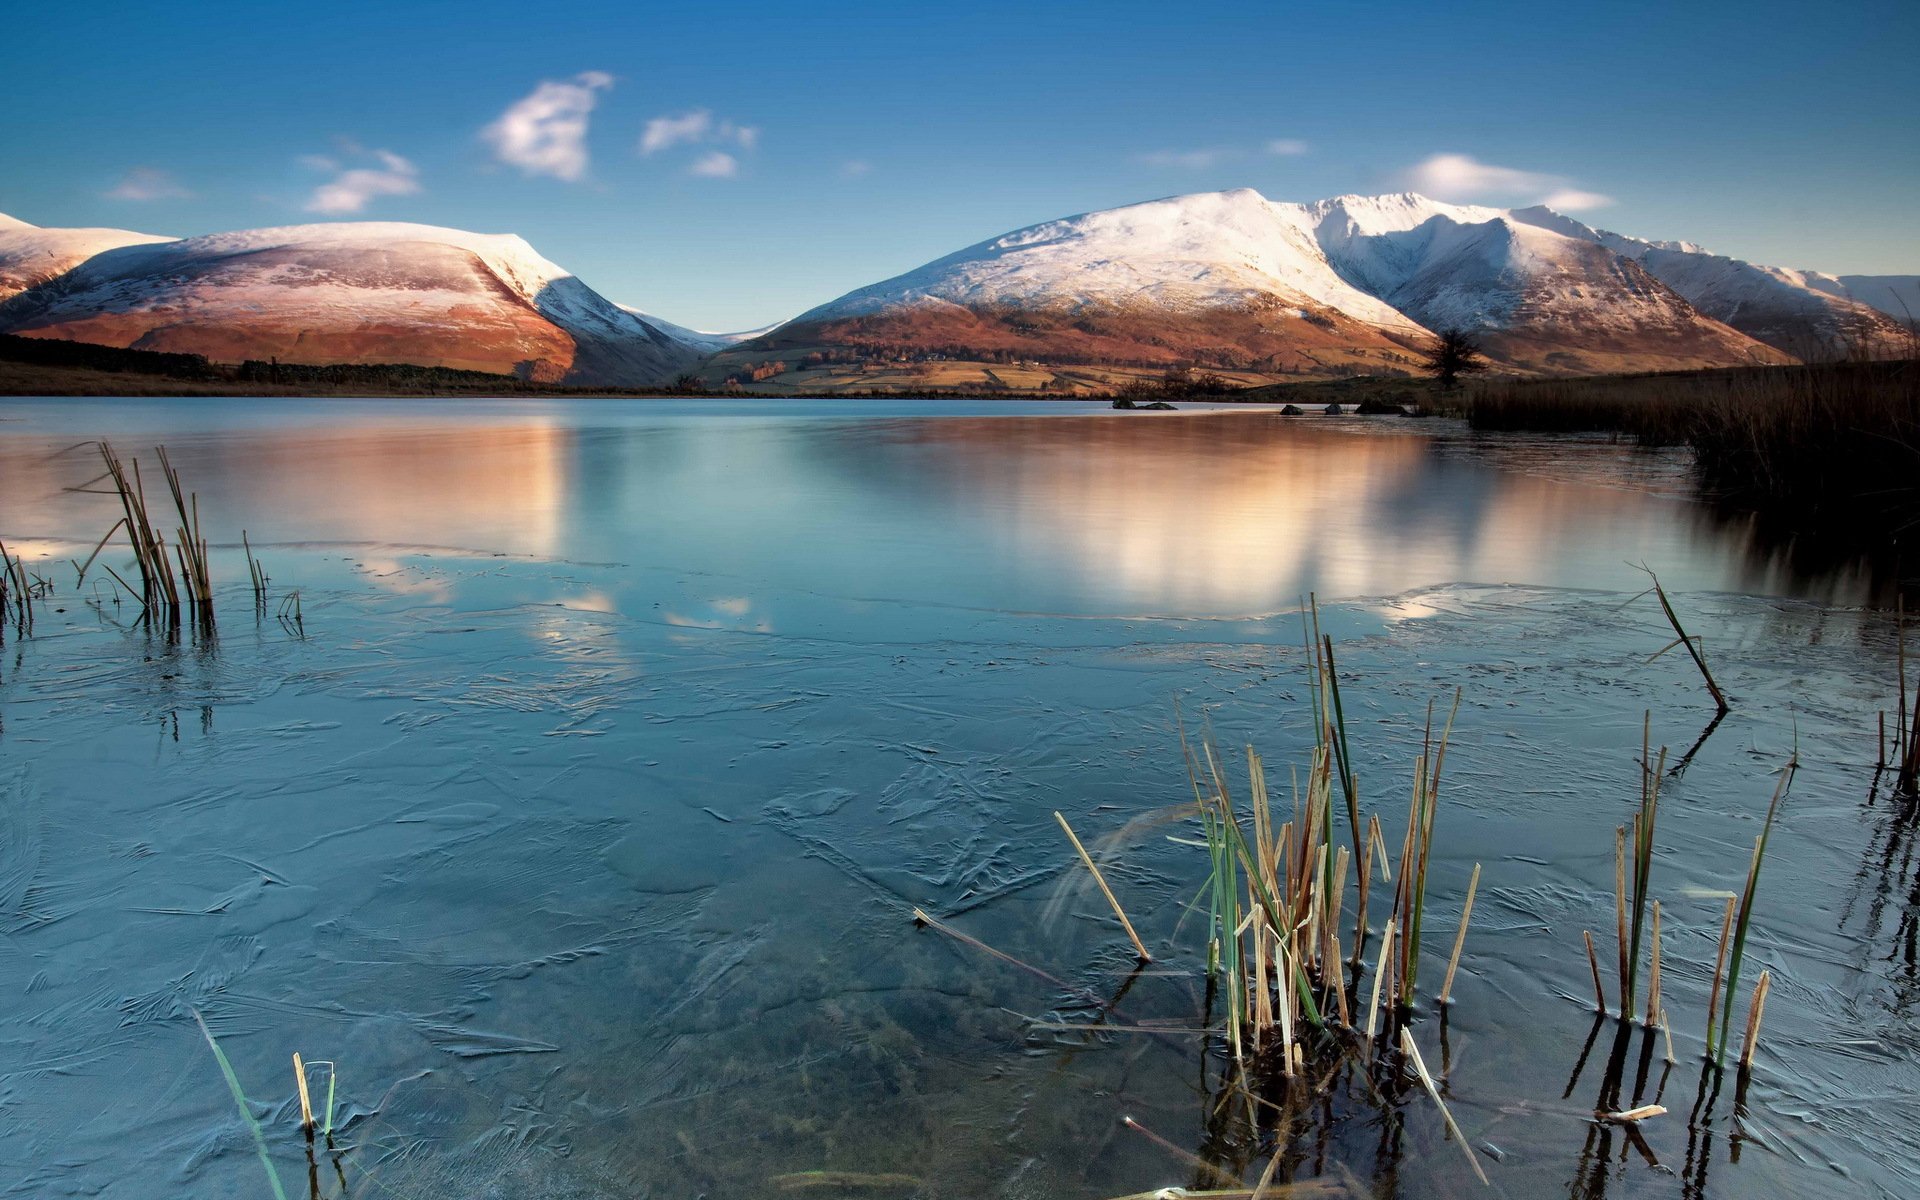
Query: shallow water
(583, 826)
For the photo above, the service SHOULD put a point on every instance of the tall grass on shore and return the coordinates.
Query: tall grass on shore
(1831, 449)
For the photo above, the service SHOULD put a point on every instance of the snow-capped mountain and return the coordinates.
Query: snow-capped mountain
(1898, 296)
(30, 255)
(1539, 296)
(354, 292)
(1235, 279)
(1804, 313)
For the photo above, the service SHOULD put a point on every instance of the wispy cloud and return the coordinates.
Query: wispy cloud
(715, 164)
(1187, 160)
(698, 127)
(545, 132)
(854, 168)
(147, 183)
(664, 133)
(352, 189)
(1464, 179)
(1212, 156)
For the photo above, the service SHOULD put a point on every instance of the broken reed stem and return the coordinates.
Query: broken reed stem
(1666, 1028)
(1379, 977)
(1599, 992)
(1139, 947)
(1754, 1011)
(921, 916)
(1420, 1067)
(1460, 939)
(1183, 1154)
(1683, 639)
(306, 1101)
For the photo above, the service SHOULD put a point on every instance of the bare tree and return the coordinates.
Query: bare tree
(1457, 353)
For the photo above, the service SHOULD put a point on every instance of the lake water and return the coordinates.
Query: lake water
(581, 820)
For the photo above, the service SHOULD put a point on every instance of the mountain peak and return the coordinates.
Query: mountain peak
(7, 222)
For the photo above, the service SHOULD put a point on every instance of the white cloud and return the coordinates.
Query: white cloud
(1575, 200)
(854, 168)
(698, 128)
(147, 183)
(1212, 156)
(1187, 160)
(545, 133)
(664, 133)
(350, 191)
(715, 164)
(1464, 179)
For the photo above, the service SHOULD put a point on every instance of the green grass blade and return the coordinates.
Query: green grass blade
(240, 1102)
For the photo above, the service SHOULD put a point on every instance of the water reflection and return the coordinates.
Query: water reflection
(1190, 515)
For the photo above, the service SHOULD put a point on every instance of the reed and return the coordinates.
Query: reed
(246, 1110)
(1275, 898)
(1744, 919)
(1093, 868)
(306, 1100)
(164, 592)
(1826, 454)
(1412, 1052)
(1644, 821)
(1719, 968)
(1754, 1011)
(256, 572)
(17, 594)
(1906, 728)
(1683, 638)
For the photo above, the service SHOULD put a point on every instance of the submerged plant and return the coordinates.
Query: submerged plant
(246, 1111)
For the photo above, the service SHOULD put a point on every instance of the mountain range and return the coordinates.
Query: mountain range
(1223, 280)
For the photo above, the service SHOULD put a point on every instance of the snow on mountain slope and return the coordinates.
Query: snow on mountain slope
(1182, 253)
(1898, 296)
(1804, 313)
(1538, 296)
(1235, 279)
(354, 292)
(30, 255)
(709, 342)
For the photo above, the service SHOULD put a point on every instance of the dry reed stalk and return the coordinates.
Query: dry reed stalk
(966, 939)
(1719, 969)
(1634, 1115)
(1460, 939)
(1754, 1011)
(1106, 891)
(1379, 977)
(1184, 1155)
(306, 1101)
(1599, 993)
(1338, 973)
(1420, 1067)
(1666, 1028)
(1681, 638)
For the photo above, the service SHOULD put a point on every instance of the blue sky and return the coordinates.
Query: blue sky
(842, 143)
